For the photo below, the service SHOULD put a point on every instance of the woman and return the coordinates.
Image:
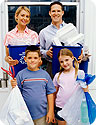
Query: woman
(21, 34)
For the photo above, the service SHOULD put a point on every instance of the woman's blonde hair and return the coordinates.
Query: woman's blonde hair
(19, 10)
(67, 52)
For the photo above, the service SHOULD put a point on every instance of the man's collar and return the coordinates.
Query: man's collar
(61, 25)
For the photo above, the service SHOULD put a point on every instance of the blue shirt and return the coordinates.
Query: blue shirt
(46, 36)
(35, 86)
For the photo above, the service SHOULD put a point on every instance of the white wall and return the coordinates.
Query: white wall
(1, 75)
(90, 39)
(4, 92)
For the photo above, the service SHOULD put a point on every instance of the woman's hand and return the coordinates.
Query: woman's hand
(11, 61)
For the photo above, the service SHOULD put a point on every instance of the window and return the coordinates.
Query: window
(40, 16)
(39, 19)
(41, 0)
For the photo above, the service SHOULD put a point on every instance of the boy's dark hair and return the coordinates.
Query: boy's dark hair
(56, 2)
(32, 48)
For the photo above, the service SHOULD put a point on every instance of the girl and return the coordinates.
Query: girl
(21, 34)
(65, 82)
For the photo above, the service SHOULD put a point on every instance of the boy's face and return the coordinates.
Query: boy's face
(33, 61)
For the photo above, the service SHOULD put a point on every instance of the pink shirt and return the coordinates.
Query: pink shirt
(14, 37)
(66, 86)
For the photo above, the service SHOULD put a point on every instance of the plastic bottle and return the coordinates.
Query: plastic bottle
(84, 113)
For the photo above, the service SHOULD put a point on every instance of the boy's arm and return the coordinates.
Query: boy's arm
(13, 83)
(50, 115)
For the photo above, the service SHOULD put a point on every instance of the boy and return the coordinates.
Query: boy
(36, 87)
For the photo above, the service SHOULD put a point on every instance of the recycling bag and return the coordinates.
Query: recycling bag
(91, 108)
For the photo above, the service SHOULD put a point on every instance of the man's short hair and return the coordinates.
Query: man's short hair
(32, 48)
(56, 2)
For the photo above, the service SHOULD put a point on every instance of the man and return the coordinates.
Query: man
(46, 35)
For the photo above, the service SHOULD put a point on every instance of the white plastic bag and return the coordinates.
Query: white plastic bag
(14, 111)
(71, 111)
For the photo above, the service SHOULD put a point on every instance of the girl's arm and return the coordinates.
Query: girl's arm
(55, 93)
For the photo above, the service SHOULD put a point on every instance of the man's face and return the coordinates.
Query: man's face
(56, 14)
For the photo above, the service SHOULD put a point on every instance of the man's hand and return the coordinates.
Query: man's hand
(50, 53)
(13, 83)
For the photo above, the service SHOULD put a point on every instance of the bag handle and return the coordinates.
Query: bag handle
(10, 72)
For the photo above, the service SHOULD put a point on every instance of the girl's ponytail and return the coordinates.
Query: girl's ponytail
(61, 70)
(76, 64)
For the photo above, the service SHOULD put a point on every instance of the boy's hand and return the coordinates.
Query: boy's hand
(13, 83)
(50, 118)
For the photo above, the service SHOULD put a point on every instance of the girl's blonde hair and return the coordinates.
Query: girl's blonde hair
(67, 52)
(19, 10)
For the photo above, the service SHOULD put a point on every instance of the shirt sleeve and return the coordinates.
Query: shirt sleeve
(50, 86)
(35, 38)
(81, 79)
(19, 82)
(55, 80)
(6, 40)
(42, 44)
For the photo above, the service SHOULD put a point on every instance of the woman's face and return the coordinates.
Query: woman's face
(23, 18)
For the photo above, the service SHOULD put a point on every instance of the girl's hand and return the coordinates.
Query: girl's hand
(11, 61)
(13, 83)
(86, 89)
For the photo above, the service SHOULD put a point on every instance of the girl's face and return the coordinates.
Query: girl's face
(23, 18)
(33, 60)
(66, 62)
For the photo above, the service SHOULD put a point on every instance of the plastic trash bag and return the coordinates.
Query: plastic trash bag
(91, 108)
(14, 111)
(71, 111)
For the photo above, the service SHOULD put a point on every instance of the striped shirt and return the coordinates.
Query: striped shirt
(35, 86)
(14, 37)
